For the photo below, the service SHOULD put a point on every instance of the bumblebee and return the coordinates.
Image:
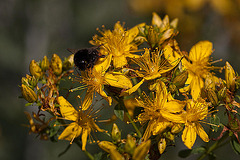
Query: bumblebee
(85, 58)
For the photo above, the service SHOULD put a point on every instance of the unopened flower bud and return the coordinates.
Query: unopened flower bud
(115, 155)
(28, 94)
(222, 93)
(45, 63)
(212, 97)
(230, 77)
(179, 80)
(209, 82)
(176, 128)
(24, 81)
(130, 144)
(172, 88)
(56, 64)
(169, 135)
(106, 146)
(116, 134)
(142, 150)
(31, 81)
(162, 145)
(68, 63)
(35, 70)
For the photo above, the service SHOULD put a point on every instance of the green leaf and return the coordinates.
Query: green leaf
(28, 104)
(184, 153)
(119, 111)
(236, 146)
(215, 120)
(198, 150)
(54, 127)
(187, 152)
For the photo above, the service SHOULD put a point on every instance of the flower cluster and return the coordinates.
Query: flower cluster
(152, 84)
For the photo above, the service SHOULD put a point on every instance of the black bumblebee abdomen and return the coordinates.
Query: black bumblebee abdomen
(86, 58)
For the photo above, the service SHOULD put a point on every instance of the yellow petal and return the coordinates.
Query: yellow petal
(159, 127)
(118, 80)
(152, 76)
(156, 20)
(67, 110)
(189, 135)
(172, 57)
(72, 131)
(148, 131)
(85, 134)
(103, 63)
(196, 86)
(177, 118)
(130, 55)
(119, 61)
(105, 96)
(201, 51)
(88, 99)
(133, 32)
(133, 89)
(202, 134)
(174, 106)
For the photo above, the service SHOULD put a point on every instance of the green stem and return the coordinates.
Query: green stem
(90, 156)
(213, 147)
(134, 125)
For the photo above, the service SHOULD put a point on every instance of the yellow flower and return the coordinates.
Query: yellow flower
(119, 43)
(152, 66)
(83, 122)
(155, 109)
(95, 79)
(196, 111)
(197, 64)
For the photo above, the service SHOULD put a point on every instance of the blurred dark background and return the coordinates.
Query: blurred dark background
(31, 29)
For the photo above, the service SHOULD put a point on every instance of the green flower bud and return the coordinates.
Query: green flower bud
(141, 150)
(115, 155)
(230, 77)
(68, 63)
(35, 70)
(222, 93)
(162, 145)
(32, 81)
(45, 63)
(107, 146)
(176, 128)
(56, 64)
(169, 135)
(24, 81)
(179, 80)
(28, 94)
(130, 144)
(116, 134)
(212, 97)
